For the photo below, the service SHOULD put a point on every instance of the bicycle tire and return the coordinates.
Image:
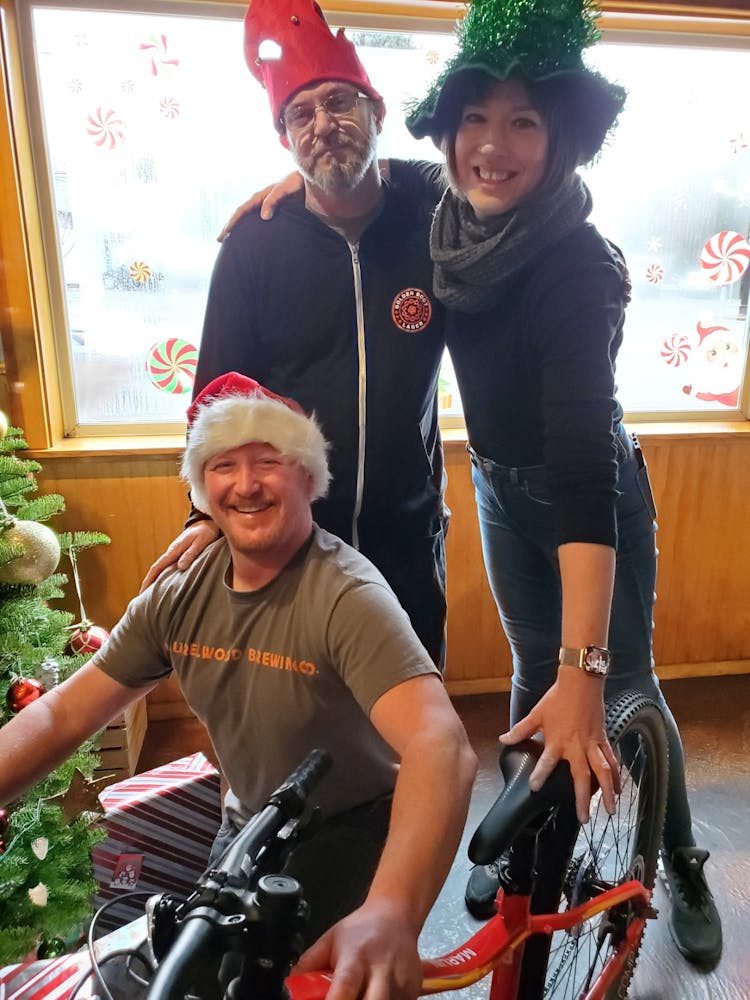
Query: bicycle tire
(573, 860)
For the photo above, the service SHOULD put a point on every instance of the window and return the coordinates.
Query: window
(151, 130)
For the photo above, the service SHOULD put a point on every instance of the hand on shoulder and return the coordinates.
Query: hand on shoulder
(184, 550)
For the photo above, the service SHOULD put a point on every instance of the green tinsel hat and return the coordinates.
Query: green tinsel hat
(540, 40)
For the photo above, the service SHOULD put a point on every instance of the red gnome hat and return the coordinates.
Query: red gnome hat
(288, 46)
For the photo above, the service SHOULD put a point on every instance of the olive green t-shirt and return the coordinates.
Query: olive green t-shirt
(279, 671)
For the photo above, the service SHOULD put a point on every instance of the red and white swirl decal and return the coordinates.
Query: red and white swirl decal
(159, 55)
(169, 107)
(676, 349)
(654, 273)
(106, 128)
(411, 310)
(725, 257)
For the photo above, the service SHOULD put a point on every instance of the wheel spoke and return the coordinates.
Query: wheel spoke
(610, 850)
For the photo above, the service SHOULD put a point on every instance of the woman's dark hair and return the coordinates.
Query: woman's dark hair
(578, 108)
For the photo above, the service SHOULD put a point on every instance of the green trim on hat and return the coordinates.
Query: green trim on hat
(536, 39)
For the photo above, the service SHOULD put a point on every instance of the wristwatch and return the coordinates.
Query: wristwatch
(590, 659)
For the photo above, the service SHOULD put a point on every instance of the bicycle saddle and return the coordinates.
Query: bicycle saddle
(516, 806)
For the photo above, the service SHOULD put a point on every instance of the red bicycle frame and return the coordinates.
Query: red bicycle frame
(497, 947)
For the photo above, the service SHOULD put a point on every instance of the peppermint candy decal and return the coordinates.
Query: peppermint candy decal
(654, 274)
(106, 128)
(169, 107)
(725, 257)
(140, 272)
(171, 365)
(676, 349)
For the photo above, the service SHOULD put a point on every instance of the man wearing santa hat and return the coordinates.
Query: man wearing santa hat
(331, 303)
(285, 639)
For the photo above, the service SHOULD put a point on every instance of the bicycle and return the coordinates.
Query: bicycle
(570, 916)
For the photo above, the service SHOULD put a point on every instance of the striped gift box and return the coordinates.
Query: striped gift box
(160, 827)
(57, 978)
(53, 979)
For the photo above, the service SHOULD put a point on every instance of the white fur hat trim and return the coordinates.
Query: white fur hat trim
(235, 419)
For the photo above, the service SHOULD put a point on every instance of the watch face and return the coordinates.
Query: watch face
(597, 662)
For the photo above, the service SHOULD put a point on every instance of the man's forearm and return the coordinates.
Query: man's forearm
(30, 748)
(427, 819)
(46, 732)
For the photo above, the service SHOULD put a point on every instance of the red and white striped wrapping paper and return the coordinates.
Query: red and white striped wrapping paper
(56, 978)
(167, 819)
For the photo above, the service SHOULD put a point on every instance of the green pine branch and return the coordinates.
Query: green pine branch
(13, 441)
(33, 644)
(41, 508)
(79, 540)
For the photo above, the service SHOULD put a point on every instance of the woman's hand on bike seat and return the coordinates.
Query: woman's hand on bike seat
(372, 954)
(571, 718)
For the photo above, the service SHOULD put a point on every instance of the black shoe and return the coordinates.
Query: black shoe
(694, 921)
(481, 889)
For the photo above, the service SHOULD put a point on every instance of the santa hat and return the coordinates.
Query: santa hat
(288, 46)
(234, 410)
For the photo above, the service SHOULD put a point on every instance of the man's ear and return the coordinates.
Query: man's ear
(379, 116)
(283, 140)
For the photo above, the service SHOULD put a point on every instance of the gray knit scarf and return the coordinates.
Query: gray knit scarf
(473, 259)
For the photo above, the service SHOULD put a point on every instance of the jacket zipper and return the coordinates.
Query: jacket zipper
(362, 392)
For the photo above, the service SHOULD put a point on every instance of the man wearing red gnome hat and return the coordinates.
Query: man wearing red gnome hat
(284, 639)
(331, 303)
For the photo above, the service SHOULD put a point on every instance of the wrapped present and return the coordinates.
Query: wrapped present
(58, 978)
(160, 827)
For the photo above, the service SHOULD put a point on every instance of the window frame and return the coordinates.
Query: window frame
(32, 302)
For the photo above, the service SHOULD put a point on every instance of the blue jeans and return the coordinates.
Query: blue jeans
(520, 557)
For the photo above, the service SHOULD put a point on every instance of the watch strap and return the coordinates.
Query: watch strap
(591, 659)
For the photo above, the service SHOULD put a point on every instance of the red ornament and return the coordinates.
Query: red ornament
(4, 820)
(88, 638)
(22, 692)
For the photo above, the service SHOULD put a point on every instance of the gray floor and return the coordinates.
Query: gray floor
(714, 718)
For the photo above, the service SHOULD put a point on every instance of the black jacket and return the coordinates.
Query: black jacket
(352, 333)
(537, 378)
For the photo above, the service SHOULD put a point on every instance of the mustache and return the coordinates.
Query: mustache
(322, 144)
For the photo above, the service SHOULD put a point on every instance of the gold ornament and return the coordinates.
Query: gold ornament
(82, 796)
(3, 425)
(41, 553)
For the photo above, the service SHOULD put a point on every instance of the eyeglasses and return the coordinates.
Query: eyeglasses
(341, 102)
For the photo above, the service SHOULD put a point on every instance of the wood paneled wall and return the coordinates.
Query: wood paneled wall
(702, 487)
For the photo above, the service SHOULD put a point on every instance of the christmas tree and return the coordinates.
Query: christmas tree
(46, 836)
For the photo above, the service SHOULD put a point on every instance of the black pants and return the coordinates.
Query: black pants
(334, 865)
(415, 570)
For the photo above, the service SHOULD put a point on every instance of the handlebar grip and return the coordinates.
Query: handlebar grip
(312, 769)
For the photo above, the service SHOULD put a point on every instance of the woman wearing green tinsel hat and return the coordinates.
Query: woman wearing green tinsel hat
(537, 300)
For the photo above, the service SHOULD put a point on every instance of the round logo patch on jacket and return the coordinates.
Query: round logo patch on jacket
(411, 310)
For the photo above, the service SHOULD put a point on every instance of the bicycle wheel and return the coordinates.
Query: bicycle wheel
(574, 867)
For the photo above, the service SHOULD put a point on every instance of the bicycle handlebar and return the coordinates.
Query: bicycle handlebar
(287, 802)
(209, 912)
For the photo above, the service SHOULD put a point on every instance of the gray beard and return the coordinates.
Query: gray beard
(340, 178)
